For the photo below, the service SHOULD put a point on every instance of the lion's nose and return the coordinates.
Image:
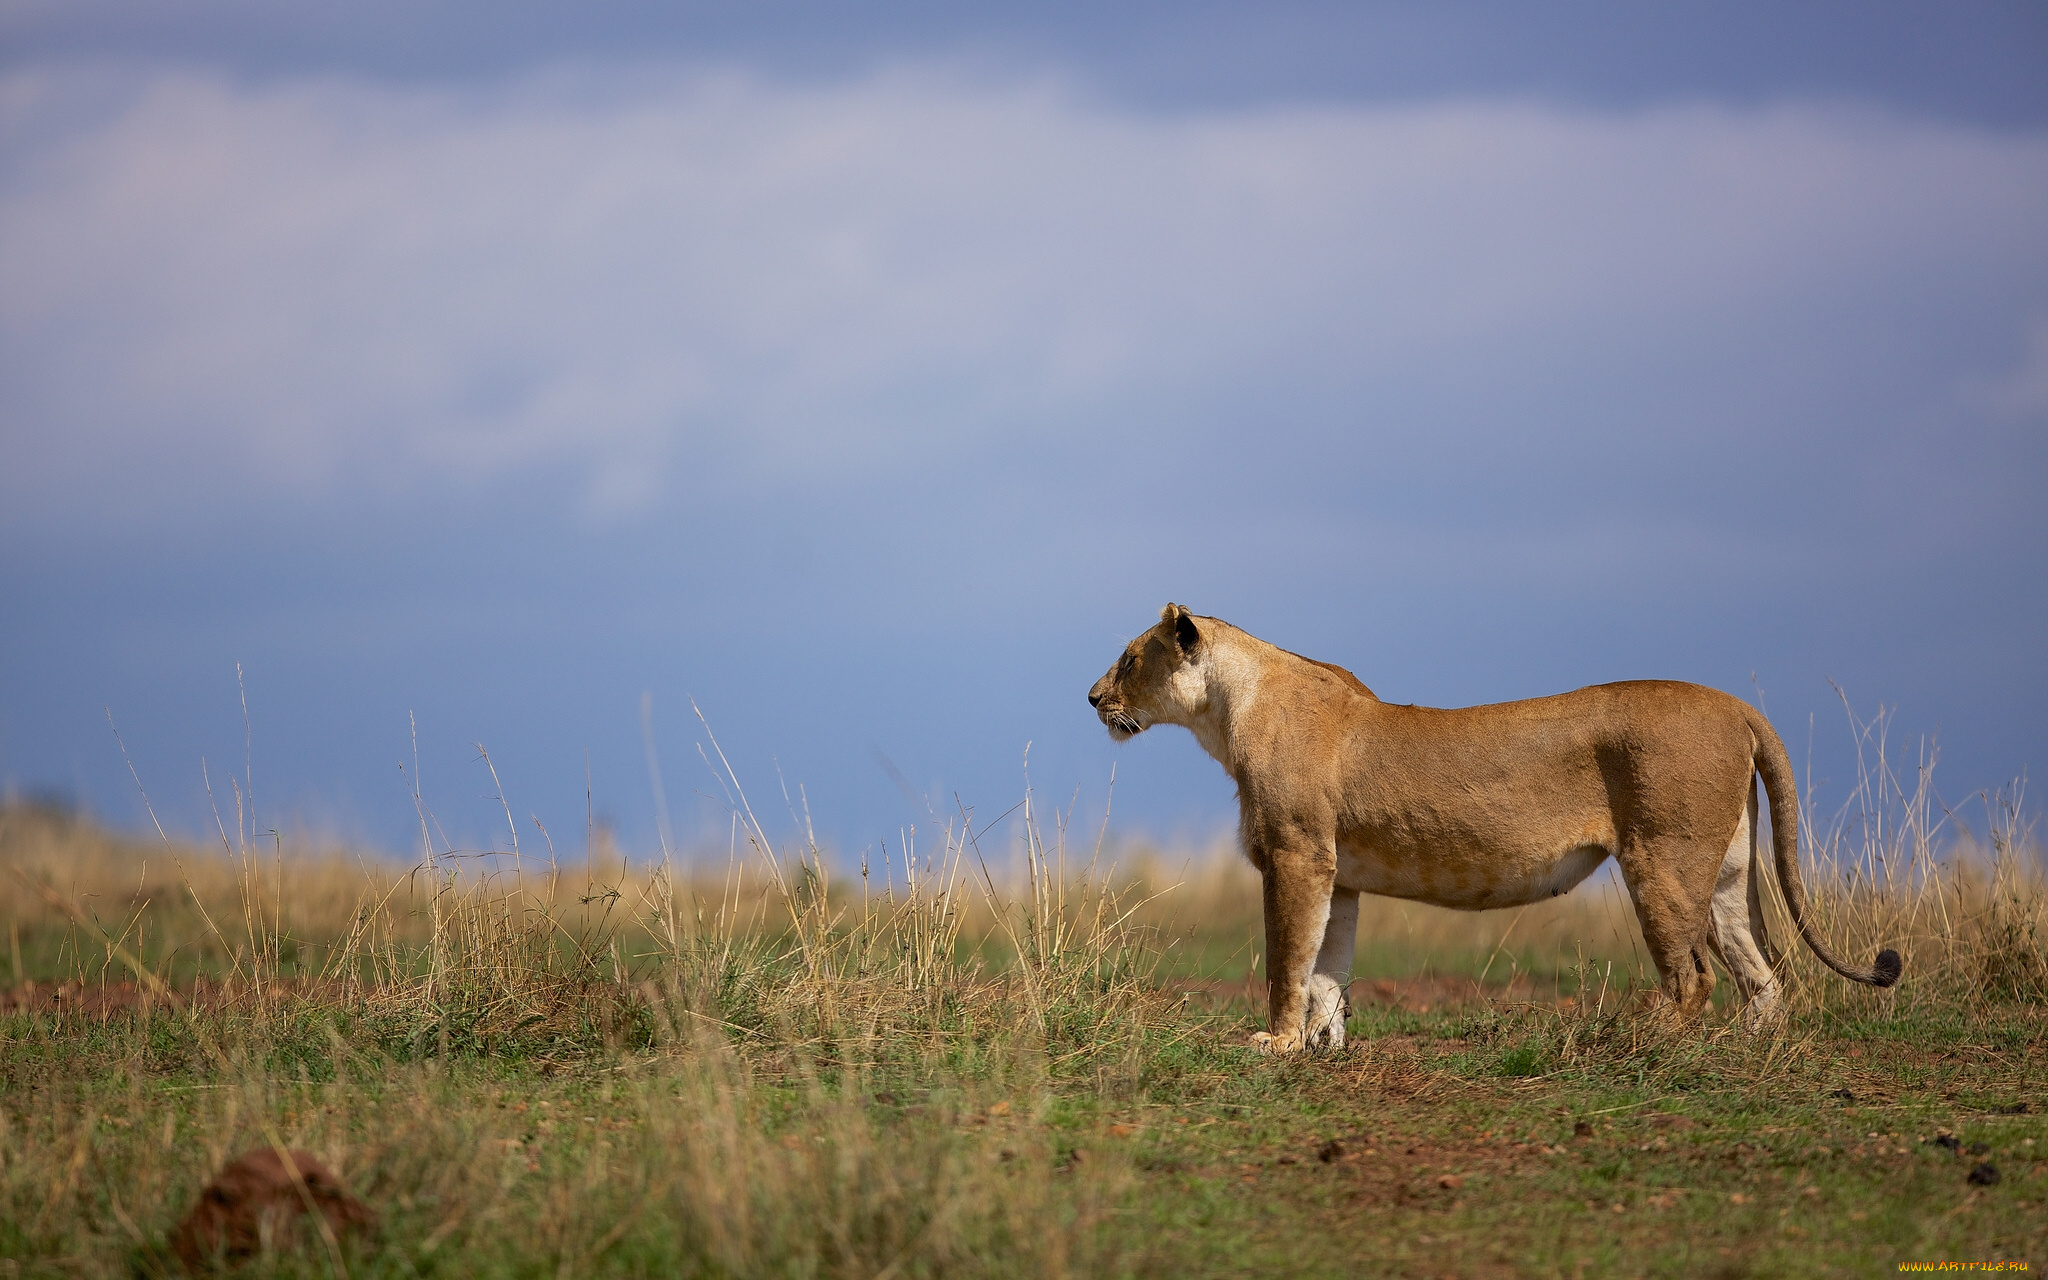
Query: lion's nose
(1094, 699)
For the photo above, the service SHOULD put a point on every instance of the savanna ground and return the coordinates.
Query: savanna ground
(999, 1061)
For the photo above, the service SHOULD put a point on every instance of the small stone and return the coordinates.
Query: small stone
(1948, 1142)
(1330, 1151)
(1451, 1181)
(1984, 1175)
(1979, 1148)
(1583, 1129)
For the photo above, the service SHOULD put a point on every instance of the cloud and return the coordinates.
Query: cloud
(217, 292)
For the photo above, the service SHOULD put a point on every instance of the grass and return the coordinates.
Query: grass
(950, 1070)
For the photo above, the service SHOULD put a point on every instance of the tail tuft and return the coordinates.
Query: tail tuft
(1887, 969)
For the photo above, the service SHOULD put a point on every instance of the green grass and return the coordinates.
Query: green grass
(1806, 1153)
(605, 1077)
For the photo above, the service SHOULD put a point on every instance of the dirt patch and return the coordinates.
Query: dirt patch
(1420, 995)
(1391, 1169)
(88, 999)
(1415, 995)
(91, 999)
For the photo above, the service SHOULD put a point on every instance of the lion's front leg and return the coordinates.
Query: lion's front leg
(1298, 884)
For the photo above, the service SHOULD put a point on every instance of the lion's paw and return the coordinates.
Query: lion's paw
(1267, 1042)
(1324, 1026)
(1764, 1011)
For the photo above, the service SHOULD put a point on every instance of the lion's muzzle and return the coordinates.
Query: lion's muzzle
(1122, 724)
(1111, 710)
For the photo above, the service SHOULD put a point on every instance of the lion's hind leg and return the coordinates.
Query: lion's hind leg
(1670, 885)
(1736, 925)
(1324, 1026)
(1327, 1004)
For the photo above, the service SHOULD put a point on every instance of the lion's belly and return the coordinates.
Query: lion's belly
(1469, 880)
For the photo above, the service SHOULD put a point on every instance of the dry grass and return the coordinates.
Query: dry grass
(701, 1161)
(771, 1069)
(697, 1061)
(1966, 905)
(498, 942)
(477, 949)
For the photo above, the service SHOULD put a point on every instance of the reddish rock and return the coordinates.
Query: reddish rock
(254, 1204)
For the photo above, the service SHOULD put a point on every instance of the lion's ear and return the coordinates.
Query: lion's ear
(1183, 625)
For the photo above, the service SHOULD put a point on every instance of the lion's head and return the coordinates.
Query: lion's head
(1156, 681)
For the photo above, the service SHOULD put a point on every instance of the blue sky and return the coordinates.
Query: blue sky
(872, 380)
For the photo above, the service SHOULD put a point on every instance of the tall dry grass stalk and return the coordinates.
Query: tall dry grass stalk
(1965, 902)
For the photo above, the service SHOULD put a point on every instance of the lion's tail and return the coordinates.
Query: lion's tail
(1776, 770)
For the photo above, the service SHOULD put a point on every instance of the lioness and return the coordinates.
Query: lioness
(1341, 794)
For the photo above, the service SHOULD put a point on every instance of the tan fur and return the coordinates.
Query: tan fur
(1493, 806)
